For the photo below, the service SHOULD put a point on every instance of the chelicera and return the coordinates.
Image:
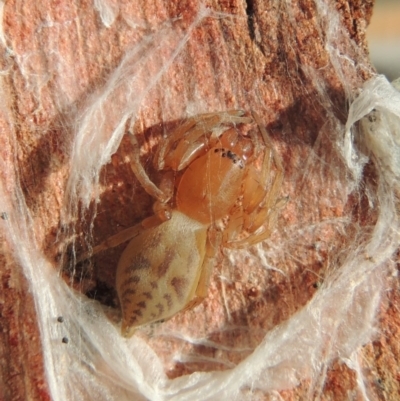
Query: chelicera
(218, 191)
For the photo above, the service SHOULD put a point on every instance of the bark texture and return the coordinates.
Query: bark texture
(55, 54)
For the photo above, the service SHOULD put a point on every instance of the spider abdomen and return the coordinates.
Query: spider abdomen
(159, 270)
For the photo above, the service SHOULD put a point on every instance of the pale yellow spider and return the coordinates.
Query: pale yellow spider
(216, 196)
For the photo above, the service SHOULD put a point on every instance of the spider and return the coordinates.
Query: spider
(214, 194)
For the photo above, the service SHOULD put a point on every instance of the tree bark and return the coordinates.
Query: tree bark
(270, 56)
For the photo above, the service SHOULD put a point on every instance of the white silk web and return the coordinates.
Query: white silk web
(332, 324)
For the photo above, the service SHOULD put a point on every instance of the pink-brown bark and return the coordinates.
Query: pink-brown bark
(263, 56)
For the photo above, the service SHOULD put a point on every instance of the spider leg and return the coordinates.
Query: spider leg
(275, 155)
(121, 237)
(201, 291)
(190, 139)
(268, 217)
(259, 210)
(142, 176)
